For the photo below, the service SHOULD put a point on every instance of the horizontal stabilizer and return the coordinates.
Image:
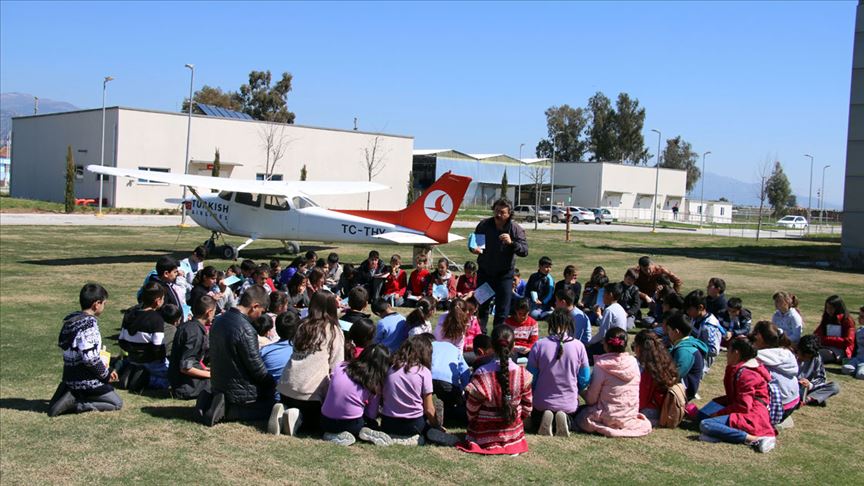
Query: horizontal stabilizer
(404, 238)
(451, 238)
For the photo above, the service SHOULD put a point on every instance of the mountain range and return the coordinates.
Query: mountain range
(16, 104)
(747, 193)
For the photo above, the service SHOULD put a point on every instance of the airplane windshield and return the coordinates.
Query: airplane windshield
(276, 203)
(301, 202)
(226, 195)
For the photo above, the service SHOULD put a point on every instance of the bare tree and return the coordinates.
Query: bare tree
(764, 173)
(373, 161)
(275, 142)
(537, 175)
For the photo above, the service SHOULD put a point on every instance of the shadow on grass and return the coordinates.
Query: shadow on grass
(173, 412)
(24, 405)
(826, 257)
(253, 254)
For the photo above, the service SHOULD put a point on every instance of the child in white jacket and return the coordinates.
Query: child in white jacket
(782, 363)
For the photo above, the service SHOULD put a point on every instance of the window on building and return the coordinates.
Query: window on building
(276, 203)
(273, 177)
(722, 210)
(79, 172)
(249, 199)
(700, 209)
(153, 169)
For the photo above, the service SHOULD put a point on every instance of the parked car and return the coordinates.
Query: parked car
(581, 215)
(793, 222)
(528, 213)
(557, 213)
(602, 215)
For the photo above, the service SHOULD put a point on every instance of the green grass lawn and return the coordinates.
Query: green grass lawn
(18, 205)
(153, 440)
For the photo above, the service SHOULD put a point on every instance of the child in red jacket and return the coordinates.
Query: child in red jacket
(525, 328)
(740, 416)
(396, 282)
(836, 332)
(417, 281)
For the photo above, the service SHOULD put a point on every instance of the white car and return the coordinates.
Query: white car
(793, 222)
(527, 212)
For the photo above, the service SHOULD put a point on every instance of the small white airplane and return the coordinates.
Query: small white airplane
(277, 210)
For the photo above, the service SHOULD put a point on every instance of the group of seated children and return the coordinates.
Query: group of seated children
(335, 371)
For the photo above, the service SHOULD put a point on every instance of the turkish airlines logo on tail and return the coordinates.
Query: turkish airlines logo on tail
(438, 206)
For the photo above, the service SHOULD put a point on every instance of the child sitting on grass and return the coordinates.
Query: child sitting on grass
(775, 353)
(354, 395)
(524, 327)
(407, 404)
(360, 337)
(855, 366)
(659, 374)
(739, 320)
(187, 375)
(417, 281)
(499, 400)
(85, 385)
(450, 375)
(466, 284)
(417, 321)
(706, 327)
(541, 289)
(570, 281)
(687, 352)
(836, 331)
(471, 307)
(391, 330)
(395, 283)
(559, 364)
(612, 398)
(453, 324)
(813, 387)
(741, 415)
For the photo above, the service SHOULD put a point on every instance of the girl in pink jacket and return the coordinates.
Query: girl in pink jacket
(613, 397)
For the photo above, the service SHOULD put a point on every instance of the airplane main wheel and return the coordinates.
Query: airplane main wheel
(292, 247)
(228, 252)
(211, 247)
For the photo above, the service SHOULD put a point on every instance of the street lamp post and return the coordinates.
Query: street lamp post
(810, 193)
(552, 175)
(102, 144)
(822, 197)
(188, 135)
(656, 183)
(519, 191)
(702, 196)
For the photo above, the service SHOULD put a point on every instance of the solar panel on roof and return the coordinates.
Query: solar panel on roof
(206, 109)
(218, 111)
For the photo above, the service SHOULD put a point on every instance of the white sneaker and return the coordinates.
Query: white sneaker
(786, 424)
(375, 436)
(545, 428)
(274, 423)
(709, 439)
(342, 438)
(765, 444)
(438, 436)
(414, 440)
(696, 396)
(292, 419)
(562, 425)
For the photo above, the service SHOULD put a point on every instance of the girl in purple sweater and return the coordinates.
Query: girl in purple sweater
(354, 396)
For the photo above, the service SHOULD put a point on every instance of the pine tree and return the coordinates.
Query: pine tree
(504, 185)
(69, 198)
(303, 173)
(411, 195)
(217, 165)
(778, 190)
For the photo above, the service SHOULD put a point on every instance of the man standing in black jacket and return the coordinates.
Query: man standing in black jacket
(242, 389)
(504, 240)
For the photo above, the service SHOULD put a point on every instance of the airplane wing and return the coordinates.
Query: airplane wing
(404, 238)
(276, 188)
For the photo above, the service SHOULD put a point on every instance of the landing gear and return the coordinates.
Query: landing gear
(228, 252)
(291, 247)
(210, 244)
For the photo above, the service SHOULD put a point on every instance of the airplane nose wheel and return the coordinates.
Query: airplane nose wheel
(291, 247)
(228, 252)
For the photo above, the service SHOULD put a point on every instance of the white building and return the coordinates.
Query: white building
(154, 140)
(715, 212)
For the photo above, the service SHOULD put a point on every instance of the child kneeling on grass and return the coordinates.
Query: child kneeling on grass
(559, 365)
(612, 399)
(84, 387)
(740, 416)
(187, 375)
(354, 396)
(499, 400)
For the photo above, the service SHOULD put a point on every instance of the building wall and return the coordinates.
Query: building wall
(853, 200)
(158, 140)
(580, 182)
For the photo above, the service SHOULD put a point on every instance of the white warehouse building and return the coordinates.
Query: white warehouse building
(156, 140)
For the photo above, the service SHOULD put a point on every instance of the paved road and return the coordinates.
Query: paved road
(58, 219)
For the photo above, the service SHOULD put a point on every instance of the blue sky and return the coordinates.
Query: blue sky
(748, 81)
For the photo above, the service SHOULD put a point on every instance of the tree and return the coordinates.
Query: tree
(537, 175)
(373, 161)
(778, 190)
(629, 122)
(504, 185)
(723, 199)
(230, 100)
(679, 154)
(602, 136)
(217, 167)
(262, 101)
(69, 196)
(763, 174)
(566, 127)
(303, 173)
(275, 142)
(411, 193)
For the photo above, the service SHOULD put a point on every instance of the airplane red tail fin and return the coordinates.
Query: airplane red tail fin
(432, 213)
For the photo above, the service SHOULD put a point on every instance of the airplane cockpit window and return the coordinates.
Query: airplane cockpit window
(226, 195)
(249, 199)
(301, 202)
(276, 203)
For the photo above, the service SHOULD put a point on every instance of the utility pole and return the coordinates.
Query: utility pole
(761, 204)
(519, 191)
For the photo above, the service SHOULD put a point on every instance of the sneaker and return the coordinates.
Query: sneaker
(292, 419)
(63, 401)
(216, 412)
(545, 428)
(786, 424)
(139, 380)
(375, 437)
(202, 404)
(274, 423)
(709, 439)
(696, 396)
(123, 377)
(562, 425)
(414, 440)
(342, 438)
(438, 436)
(764, 444)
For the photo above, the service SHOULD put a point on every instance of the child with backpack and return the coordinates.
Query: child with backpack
(559, 364)
(814, 387)
(775, 354)
(659, 374)
(741, 415)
